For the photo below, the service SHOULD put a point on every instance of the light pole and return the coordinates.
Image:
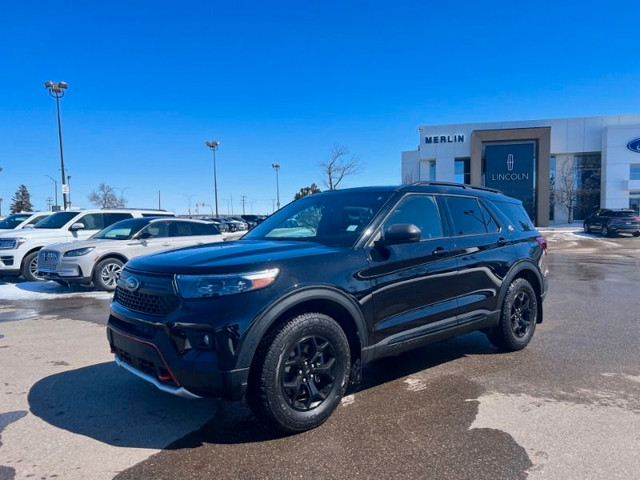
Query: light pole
(276, 167)
(55, 189)
(213, 146)
(121, 190)
(56, 90)
(189, 197)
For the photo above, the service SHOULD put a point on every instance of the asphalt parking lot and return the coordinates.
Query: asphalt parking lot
(567, 407)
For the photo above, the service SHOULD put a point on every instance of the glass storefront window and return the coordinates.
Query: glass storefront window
(634, 171)
(587, 175)
(462, 172)
(634, 200)
(552, 187)
(432, 171)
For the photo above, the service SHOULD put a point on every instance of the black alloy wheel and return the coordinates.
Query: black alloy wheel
(518, 317)
(605, 231)
(309, 373)
(300, 373)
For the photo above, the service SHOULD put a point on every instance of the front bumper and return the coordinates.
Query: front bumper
(159, 355)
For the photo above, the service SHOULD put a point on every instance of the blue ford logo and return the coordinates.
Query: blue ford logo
(132, 284)
(634, 145)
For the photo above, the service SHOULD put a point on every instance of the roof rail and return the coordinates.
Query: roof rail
(458, 185)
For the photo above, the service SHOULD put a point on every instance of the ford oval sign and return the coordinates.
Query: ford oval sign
(634, 145)
(132, 284)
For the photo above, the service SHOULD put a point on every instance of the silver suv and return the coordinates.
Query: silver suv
(19, 249)
(100, 258)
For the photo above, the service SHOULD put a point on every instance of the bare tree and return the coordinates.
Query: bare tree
(338, 166)
(105, 197)
(565, 189)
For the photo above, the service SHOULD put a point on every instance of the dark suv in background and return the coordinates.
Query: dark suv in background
(288, 315)
(611, 222)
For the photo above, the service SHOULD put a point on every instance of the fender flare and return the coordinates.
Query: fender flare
(263, 322)
(521, 266)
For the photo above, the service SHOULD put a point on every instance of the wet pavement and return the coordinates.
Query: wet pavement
(567, 407)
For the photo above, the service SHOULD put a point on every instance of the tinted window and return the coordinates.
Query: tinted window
(469, 217)
(111, 218)
(12, 221)
(92, 221)
(517, 216)
(623, 214)
(421, 211)
(155, 230)
(57, 220)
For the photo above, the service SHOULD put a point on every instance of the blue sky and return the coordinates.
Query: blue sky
(150, 82)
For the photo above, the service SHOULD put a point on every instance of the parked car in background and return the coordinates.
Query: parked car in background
(613, 221)
(252, 220)
(19, 249)
(223, 227)
(17, 221)
(99, 259)
(288, 315)
(243, 225)
(234, 225)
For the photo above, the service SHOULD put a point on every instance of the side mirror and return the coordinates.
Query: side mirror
(77, 226)
(400, 233)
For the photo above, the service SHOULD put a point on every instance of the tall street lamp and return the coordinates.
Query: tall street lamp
(121, 195)
(56, 90)
(276, 167)
(55, 190)
(213, 146)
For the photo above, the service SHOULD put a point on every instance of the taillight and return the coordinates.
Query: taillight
(543, 243)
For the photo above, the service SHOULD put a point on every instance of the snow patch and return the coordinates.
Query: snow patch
(46, 291)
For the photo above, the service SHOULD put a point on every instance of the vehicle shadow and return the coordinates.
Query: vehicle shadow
(389, 427)
(107, 404)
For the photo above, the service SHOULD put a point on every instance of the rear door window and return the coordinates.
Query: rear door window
(469, 217)
(517, 216)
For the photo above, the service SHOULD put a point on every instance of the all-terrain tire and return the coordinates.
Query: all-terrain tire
(518, 317)
(300, 373)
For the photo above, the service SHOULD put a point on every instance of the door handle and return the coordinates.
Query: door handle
(502, 241)
(166, 244)
(440, 251)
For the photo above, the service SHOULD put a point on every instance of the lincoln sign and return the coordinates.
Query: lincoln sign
(509, 168)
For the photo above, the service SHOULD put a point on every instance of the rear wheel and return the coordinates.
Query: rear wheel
(106, 274)
(518, 317)
(300, 373)
(605, 231)
(29, 268)
(587, 228)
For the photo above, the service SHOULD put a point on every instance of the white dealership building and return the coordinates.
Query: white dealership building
(595, 160)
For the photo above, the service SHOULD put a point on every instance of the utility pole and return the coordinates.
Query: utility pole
(159, 207)
(49, 203)
(244, 202)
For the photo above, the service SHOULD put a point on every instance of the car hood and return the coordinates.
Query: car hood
(75, 244)
(228, 257)
(33, 233)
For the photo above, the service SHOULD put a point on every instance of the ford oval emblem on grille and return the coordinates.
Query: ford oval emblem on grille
(132, 284)
(634, 145)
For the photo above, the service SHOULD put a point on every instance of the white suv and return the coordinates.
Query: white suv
(19, 249)
(18, 221)
(100, 258)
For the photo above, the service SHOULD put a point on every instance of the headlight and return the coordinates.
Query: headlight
(11, 243)
(203, 286)
(78, 252)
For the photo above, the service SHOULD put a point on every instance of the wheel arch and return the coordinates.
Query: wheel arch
(334, 303)
(530, 273)
(32, 250)
(107, 256)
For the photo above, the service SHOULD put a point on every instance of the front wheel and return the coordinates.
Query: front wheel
(587, 228)
(29, 269)
(518, 317)
(106, 273)
(300, 373)
(605, 231)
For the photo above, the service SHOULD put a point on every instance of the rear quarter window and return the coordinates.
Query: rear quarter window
(516, 215)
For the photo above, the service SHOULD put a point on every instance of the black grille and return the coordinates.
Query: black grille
(138, 330)
(151, 303)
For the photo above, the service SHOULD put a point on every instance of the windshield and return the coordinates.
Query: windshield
(12, 221)
(336, 219)
(123, 230)
(57, 220)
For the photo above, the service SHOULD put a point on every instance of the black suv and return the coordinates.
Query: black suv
(610, 222)
(288, 315)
